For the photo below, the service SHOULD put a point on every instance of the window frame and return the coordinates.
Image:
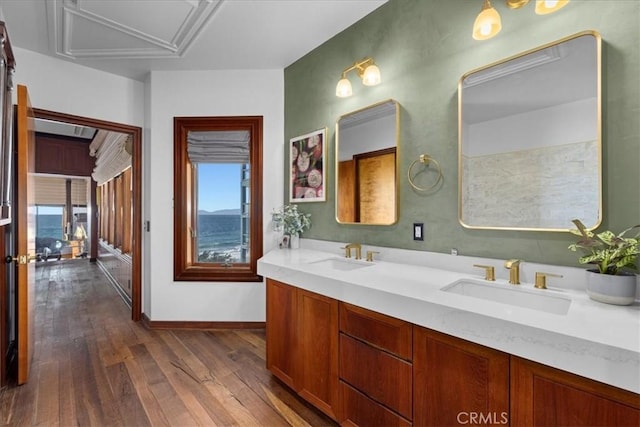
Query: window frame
(185, 264)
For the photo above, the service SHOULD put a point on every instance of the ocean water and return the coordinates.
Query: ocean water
(49, 226)
(220, 233)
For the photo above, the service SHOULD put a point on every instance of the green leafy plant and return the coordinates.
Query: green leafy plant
(290, 220)
(610, 252)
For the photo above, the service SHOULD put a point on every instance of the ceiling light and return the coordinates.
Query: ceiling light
(367, 70)
(488, 23)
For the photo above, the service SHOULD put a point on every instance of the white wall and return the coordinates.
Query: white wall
(64, 87)
(561, 124)
(368, 136)
(206, 93)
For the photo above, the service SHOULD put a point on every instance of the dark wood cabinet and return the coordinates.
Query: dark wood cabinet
(302, 343)
(360, 410)
(458, 382)
(318, 351)
(545, 396)
(380, 375)
(63, 155)
(376, 372)
(281, 331)
(364, 368)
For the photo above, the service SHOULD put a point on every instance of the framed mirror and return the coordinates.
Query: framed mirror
(367, 165)
(529, 151)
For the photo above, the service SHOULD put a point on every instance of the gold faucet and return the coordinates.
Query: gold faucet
(370, 255)
(514, 270)
(489, 271)
(541, 279)
(356, 246)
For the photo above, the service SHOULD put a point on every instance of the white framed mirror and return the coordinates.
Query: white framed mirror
(529, 151)
(367, 165)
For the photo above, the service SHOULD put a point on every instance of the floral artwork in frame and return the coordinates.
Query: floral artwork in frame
(306, 167)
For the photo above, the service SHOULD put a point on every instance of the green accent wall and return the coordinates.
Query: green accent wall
(423, 47)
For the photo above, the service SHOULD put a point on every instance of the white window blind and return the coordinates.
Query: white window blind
(53, 191)
(113, 155)
(218, 146)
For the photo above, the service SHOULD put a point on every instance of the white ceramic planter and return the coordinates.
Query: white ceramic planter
(610, 289)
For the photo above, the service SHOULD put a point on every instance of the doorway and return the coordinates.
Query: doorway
(135, 134)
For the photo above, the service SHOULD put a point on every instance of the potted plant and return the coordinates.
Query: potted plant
(613, 281)
(291, 222)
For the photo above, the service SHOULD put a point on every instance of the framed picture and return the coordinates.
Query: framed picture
(306, 167)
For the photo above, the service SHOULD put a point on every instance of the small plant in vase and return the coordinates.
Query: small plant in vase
(292, 223)
(616, 256)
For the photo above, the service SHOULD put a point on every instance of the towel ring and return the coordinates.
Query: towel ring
(425, 159)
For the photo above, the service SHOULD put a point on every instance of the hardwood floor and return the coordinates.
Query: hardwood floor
(93, 366)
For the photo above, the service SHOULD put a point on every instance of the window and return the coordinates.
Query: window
(49, 222)
(217, 198)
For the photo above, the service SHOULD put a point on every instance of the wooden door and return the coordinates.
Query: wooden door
(376, 187)
(25, 231)
(458, 382)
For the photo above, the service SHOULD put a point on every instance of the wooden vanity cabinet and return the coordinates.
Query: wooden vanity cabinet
(364, 368)
(376, 370)
(302, 343)
(457, 382)
(545, 396)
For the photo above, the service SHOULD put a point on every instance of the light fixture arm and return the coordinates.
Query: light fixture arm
(359, 66)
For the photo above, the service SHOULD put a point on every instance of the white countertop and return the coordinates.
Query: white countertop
(595, 340)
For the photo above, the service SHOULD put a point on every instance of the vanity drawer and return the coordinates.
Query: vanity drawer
(359, 410)
(378, 374)
(388, 333)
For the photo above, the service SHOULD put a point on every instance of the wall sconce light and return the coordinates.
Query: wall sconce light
(368, 72)
(488, 23)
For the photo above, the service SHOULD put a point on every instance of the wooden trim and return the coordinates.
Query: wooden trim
(136, 169)
(171, 324)
(185, 267)
(3, 310)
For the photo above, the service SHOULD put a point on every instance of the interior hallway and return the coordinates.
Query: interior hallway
(94, 366)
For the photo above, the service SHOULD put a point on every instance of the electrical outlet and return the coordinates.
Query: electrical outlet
(418, 231)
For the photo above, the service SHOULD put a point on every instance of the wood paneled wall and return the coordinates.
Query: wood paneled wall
(116, 214)
(62, 155)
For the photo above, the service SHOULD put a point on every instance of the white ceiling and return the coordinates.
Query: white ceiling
(132, 37)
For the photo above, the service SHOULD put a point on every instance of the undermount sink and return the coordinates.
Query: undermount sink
(511, 295)
(343, 264)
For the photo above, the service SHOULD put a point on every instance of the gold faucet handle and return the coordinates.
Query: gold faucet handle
(541, 279)
(489, 271)
(370, 255)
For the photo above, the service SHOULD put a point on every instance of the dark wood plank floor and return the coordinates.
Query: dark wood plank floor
(94, 367)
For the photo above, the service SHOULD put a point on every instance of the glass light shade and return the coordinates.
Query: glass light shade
(487, 24)
(343, 90)
(544, 7)
(371, 76)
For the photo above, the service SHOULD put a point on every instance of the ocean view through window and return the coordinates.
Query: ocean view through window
(217, 198)
(49, 222)
(219, 203)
